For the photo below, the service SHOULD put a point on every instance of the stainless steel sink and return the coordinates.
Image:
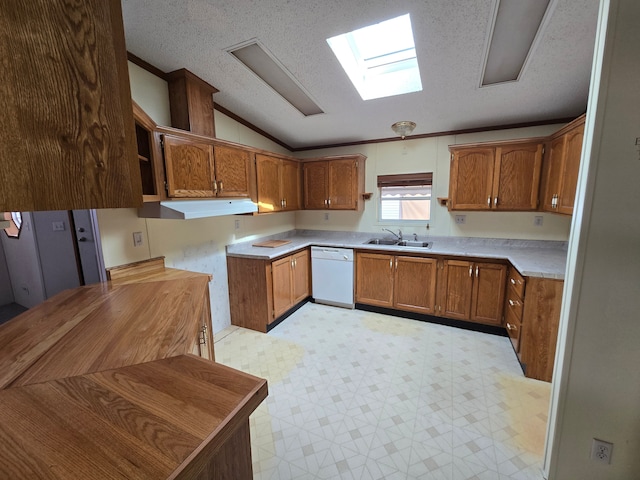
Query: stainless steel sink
(410, 243)
(398, 243)
(382, 241)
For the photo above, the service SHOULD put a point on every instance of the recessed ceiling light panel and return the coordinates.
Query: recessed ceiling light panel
(515, 27)
(264, 64)
(380, 60)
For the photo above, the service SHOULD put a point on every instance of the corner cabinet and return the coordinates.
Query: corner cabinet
(68, 136)
(278, 184)
(498, 176)
(560, 177)
(472, 291)
(261, 291)
(334, 183)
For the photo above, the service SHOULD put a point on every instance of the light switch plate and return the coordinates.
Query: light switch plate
(58, 226)
(137, 239)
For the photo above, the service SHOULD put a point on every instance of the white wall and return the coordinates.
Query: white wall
(56, 252)
(432, 155)
(6, 293)
(598, 392)
(23, 264)
(151, 93)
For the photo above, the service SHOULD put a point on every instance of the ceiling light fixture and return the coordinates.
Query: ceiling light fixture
(403, 128)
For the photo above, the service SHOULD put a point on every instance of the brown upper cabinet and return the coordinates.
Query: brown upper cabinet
(68, 136)
(560, 177)
(496, 176)
(335, 183)
(198, 167)
(278, 184)
(191, 103)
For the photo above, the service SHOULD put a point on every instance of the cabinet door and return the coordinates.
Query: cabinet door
(517, 177)
(374, 279)
(488, 293)
(281, 272)
(68, 137)
(300, 282)
(471, 182)
(458, 282)
(415, 284)
(343, 185)
(268, 179)
(569, 178)
(554, 172)
(290, 184)
(232, 171)
(315, 185)
(189, 167)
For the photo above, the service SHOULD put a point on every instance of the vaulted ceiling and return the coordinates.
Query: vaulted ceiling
(451, 41)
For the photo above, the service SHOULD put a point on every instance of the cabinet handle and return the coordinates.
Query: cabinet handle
(215, 186)
(391, 263)
(325, 202)
(476, 271)
(295, 262)
(328, 201)
(396, 264)
(282, 203)
(220, 186)
(511, 327)
(471, 270)
(489, 201)
(513, 282)
(513, 304)
(495, 202)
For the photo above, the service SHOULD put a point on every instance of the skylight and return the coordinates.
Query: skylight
(380, 59)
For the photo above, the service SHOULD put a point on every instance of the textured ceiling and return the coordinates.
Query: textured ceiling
(450, 35)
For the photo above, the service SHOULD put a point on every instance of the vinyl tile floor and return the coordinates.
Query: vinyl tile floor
(361, 395)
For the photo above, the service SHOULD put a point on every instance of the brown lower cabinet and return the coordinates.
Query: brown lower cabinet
(458, 289)
(540, 320)
(396, 281)
(472, 291)
(260, 290)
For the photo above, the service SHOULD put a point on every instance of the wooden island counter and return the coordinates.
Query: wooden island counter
(102, 382)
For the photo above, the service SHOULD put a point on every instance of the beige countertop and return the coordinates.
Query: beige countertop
(532, 258)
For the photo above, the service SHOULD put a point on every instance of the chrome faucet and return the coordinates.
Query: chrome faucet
(397, 235)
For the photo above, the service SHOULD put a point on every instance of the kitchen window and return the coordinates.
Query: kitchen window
(405, 197)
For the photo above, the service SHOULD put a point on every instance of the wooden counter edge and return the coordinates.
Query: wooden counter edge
(202, 457)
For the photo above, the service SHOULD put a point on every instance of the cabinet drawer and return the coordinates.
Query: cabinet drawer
(517, 282)
(514, 327)
(514, 302)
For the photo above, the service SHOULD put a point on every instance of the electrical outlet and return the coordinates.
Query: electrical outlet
(601, 451)
(326, 216)
(461, 219)
(137, 239)
(237, 224)
(537, 220)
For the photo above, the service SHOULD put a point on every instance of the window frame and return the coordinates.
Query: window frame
(404, 180)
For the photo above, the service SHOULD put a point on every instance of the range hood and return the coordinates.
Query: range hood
(187, 209)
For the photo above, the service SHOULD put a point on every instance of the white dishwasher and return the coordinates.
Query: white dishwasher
(332, 276)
